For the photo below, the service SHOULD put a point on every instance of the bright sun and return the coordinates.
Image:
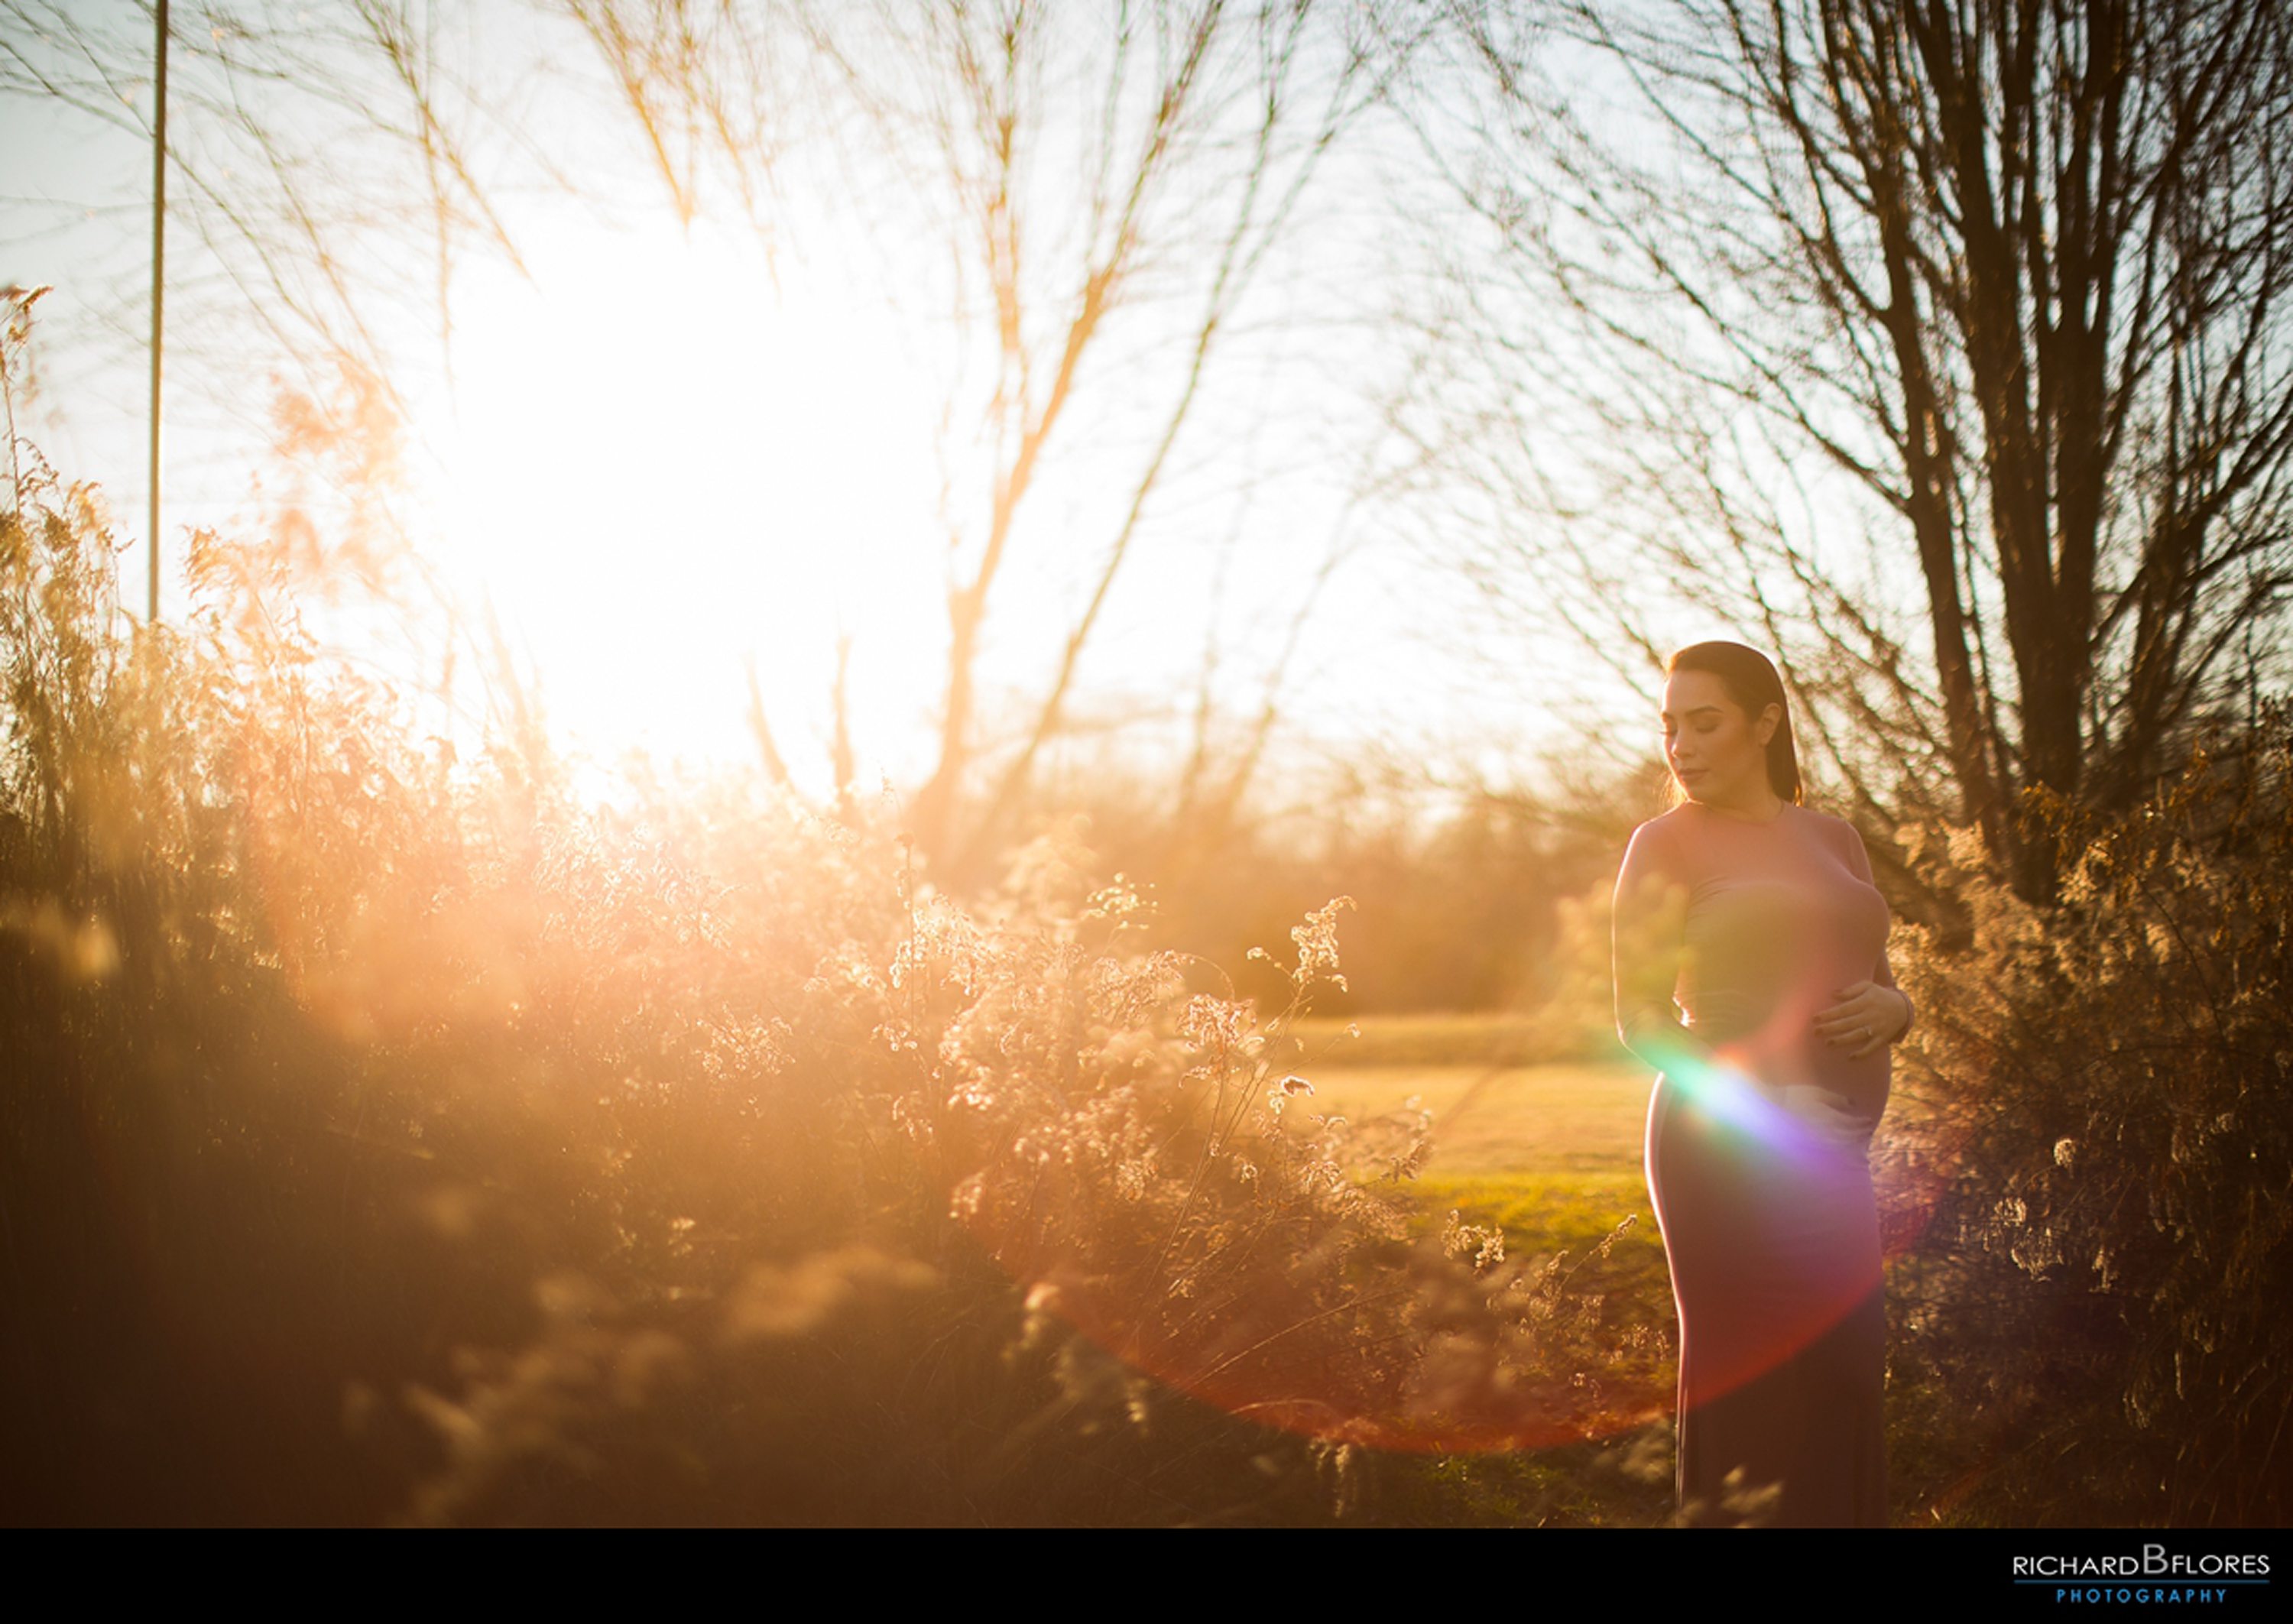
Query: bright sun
(659, 464)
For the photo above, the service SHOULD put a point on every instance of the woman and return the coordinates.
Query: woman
(1757, 917)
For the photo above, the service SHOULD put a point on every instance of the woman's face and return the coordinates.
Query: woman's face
(1718, 754)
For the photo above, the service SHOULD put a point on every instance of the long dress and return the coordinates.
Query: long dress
(1759, 1165)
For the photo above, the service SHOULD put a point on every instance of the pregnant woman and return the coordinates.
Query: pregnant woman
(1755, 918)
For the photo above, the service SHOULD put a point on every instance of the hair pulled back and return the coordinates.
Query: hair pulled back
(1751, 681)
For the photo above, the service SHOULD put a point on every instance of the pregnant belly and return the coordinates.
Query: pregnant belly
(1771, 1240)
(1781, 1054)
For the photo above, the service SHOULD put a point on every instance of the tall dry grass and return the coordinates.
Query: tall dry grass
(2096, 1165)
(387, 1137)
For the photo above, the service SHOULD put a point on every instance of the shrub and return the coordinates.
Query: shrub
(387, 1136)
(2099, 1115)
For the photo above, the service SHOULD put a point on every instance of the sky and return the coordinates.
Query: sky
(660, 453)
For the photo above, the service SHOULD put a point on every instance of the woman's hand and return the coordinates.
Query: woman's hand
(1867, 1017)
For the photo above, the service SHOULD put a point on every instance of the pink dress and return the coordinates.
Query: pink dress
(1760, 1167)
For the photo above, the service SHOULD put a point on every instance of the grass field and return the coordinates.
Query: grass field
(1500, 1121)
(1552, 1153)
(1549, 1151)
(1499, 1114)
(1439, 1039)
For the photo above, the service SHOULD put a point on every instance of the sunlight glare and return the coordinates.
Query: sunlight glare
(657, 464)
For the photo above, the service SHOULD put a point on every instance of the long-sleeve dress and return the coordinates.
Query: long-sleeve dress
(1758, 1154)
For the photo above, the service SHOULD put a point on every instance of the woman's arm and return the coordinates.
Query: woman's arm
(1859, 860)
(1648, 932)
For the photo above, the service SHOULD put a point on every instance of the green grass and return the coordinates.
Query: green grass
(1620, 1481)
(1570, 1215)
(1624, 1481)
(1550, 1153)
(1504, 1121)
(1567, 1211)
(1438, 1040)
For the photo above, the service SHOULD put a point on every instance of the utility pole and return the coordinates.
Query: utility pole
(158, 293)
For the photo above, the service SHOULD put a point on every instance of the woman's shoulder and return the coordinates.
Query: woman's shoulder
(1662, 839)
(1829, 826)
(1666, 825)
(1837, 834)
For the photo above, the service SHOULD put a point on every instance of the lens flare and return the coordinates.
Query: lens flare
(1765, 1195)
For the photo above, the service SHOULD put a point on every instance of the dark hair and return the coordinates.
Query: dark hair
(1752, 683)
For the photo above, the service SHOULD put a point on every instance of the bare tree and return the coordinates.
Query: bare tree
(329, 159)
(330, 169)
(1072, 204)
(1099, 188)
(2002, 281)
